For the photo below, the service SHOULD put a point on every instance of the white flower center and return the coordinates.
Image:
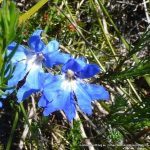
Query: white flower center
(70, 74)
(34, 61)
(67, 84)
(39, 57)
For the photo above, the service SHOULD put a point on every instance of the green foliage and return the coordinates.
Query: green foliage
(140, 44)
(140, 69)
(132, 117)
(74, 136)
(114, 136)
(8, 28)
(8, 24)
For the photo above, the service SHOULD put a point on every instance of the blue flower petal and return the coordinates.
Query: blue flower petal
(75, 65)
(48, 79)
(56, 58)
(89, 71)
(37, 32)
(44, 78)
(57, 96)
(18, 74)
(34, 83)
(83, 59)
(20, 54)
(20, 48)
(51, 47)
(24, 92)
(96, 92)
(42, 102)
(69, 107)
(48, 110)
(59, 101)
(35, 41)
(84, 100)
(1, 104)
(53, 56)
(52, 87)
(32, 79)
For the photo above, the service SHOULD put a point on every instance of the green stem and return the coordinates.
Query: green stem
(101, 26)
(12, 131)
(113, 24)
(133, 89)
(147, 78)
(99, 63)
(25, 115)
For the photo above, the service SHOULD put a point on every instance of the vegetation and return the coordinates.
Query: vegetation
(113, 34)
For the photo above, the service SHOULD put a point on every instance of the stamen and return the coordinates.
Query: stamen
(70, 74)
(40, 57)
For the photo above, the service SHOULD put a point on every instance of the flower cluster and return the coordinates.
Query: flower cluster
(58, 92)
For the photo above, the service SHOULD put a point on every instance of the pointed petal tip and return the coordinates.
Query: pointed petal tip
(1, 104)
(106, 95)
(55, 42)
(89, 71)
(37, 32)
(45, 113)
(19, 101)
(51, 47)
(42, 102)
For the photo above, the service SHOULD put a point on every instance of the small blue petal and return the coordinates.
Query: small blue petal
(58, 103)
(34, 83)
(51, 47)
(35, 41)
(89, 71)
(57, 96)
(52, 87)
(11, 46)
(69, 107)
(18, 74)
(1, 104)
(48, 110)
(33, 76)
(75, 65)
(84, 100)
(37, 32)
(44, 78)
(20, 48)
(20, 54)
(53, 56)
(83, 59)
(56, 58)
(42, 102)
(48, 79)
(24, 92)
(96, 92)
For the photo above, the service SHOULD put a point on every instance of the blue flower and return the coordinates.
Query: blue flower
(64, 92)
(29, 61)
(25, 91)
(1, 104)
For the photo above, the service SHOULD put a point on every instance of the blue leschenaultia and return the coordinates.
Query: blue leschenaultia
(58, 92)
(29, 61)
(65, 91)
